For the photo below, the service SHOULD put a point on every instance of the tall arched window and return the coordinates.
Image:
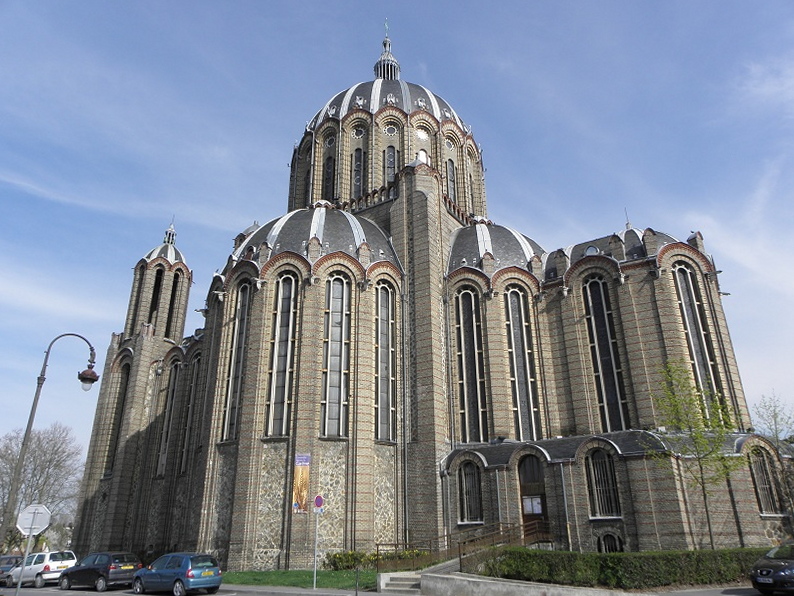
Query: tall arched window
(329, 173)
(118, 417)
(698, 338)
(155, 303)
(386, 362)
(168, 414)
(451, 185)
(193, 391)
(172, 304)
(523, 382)
(357, 174)
(469, 493)
(135, 317)
(282, 364)
(307, 188)
(602, 484)
(336, 357)
(390, 159)
(237, 349)
(766, 491)
(471, 368)
(607, 371)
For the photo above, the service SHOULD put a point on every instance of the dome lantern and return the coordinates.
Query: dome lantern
(387, 67)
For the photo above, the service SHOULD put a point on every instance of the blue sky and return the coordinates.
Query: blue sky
(116, 117)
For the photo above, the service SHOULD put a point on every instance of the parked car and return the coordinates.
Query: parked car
(774, 572)
(7, 562)
(101, 570)
(40, 568)
(179, 573)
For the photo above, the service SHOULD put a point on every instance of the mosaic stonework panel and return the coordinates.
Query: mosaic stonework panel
(224, 505)
(385, 494)
(271, 507)
(332, 466)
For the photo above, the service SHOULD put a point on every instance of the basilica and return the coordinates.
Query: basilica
(385, 365)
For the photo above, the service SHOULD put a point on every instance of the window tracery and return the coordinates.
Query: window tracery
(605, 359)
(283, 342)
(473, 410)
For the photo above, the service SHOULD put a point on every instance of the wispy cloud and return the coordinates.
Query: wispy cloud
(769, 84)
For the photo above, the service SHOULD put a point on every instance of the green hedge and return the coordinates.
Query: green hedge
(626, 571)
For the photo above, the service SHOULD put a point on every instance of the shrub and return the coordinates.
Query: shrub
(348, 559)
(626, 571)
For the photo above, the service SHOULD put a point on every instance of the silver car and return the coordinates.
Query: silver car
(40, 568)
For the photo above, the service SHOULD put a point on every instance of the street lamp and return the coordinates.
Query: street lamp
(87, 378)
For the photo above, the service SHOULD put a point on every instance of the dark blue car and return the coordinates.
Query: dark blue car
(179, 573)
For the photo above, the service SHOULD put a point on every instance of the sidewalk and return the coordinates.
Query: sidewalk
(246, 590)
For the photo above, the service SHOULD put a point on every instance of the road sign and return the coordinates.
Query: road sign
(33, 520)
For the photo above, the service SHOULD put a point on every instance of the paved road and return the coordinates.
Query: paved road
(233, 590)
(226, 590)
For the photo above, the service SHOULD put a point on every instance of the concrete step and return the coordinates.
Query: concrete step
(407, 584)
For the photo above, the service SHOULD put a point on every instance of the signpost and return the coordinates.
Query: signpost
(318, 509)
(31, 521)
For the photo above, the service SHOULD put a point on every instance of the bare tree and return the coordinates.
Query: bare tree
(51, 473)
(774, 419)
(701, 425)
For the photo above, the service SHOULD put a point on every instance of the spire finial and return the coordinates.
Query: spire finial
(628, 223)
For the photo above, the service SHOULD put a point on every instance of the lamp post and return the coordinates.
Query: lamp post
(88, 377)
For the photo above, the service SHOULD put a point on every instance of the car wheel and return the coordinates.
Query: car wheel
(101, 584)
(137, 586)
(766, 592)
(212, 590)
(9, 581)
(179, 588)
(64, 583)
(38, 581)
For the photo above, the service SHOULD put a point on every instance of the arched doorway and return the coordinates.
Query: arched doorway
(533, 496)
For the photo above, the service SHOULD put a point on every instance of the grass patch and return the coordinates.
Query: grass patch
(338, 580)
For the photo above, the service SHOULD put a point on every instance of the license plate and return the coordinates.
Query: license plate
(207, 573)
(127, 567)
(764, 580)
(62, 566)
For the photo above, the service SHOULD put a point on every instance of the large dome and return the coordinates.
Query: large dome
(355, 147)
(334, 229)
(508, 247)
(386, 90)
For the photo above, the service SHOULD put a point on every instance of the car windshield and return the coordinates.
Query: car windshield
(784, 551)
(202, 561)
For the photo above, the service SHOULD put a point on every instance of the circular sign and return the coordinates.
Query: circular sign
(319, 501)
(33, 520)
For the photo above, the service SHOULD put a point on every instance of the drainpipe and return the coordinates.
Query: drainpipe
(565, 506)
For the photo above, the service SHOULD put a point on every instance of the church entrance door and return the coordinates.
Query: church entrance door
(533, 496)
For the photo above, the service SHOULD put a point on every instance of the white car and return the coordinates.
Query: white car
(41, 568)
